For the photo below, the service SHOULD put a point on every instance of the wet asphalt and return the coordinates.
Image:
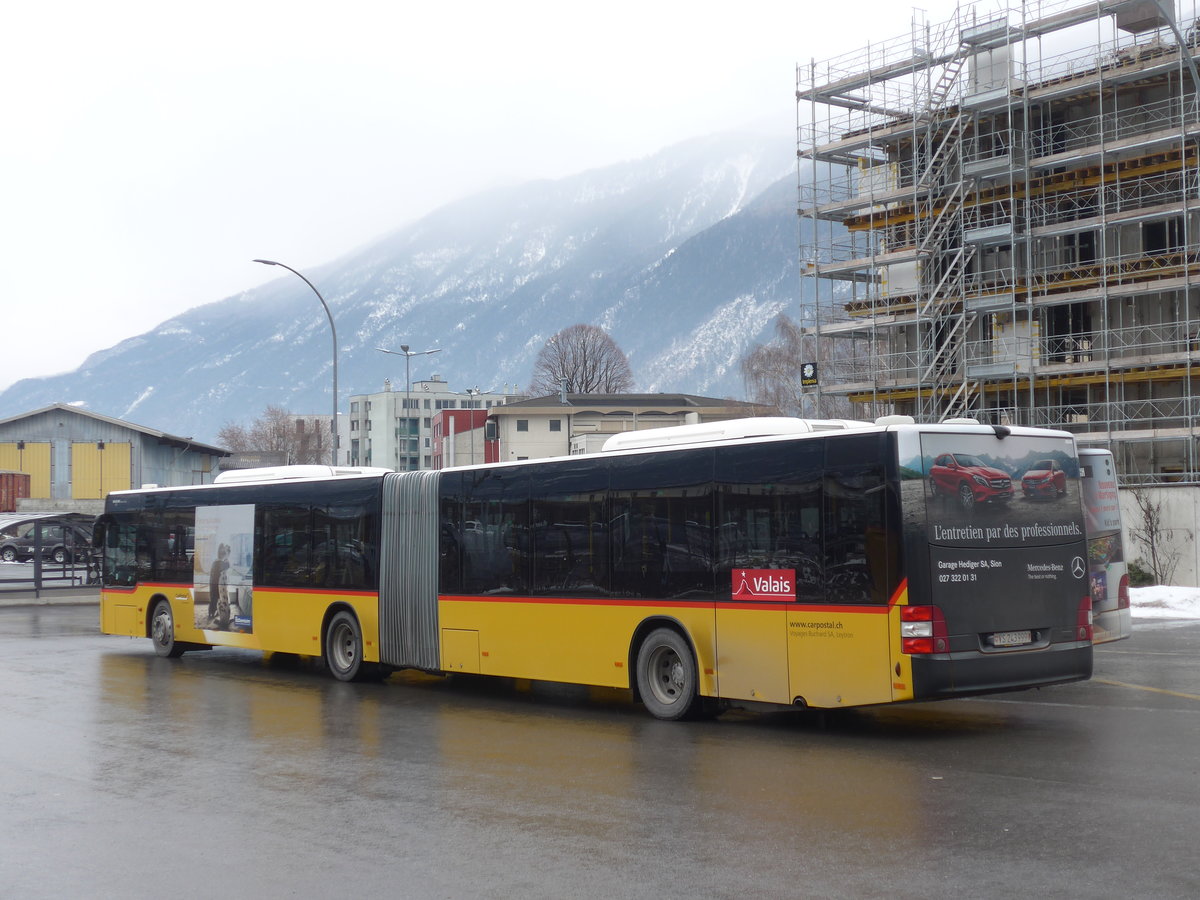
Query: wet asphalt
(227, 773)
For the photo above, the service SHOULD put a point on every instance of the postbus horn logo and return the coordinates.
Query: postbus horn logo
(774, 585)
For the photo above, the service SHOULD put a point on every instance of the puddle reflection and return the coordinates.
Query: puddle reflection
(556, 759)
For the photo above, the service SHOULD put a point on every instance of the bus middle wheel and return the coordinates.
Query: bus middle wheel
(344, 647)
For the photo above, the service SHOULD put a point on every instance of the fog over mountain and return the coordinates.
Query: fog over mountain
(685, 257)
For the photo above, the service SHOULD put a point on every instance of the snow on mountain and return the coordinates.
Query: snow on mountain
(685, 257)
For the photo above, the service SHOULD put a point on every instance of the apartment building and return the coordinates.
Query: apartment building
(575, 424)
(1002, 221)
(393, 429)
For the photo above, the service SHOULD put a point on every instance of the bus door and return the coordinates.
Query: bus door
(839, 636)
(660, 526)
(768, 528)
(121, 612)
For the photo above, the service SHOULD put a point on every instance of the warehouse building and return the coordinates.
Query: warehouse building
(74, 457)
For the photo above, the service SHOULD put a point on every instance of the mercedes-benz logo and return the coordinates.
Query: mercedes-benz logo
(1078, 568)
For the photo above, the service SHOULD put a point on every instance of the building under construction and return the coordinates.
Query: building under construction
(1002, 222)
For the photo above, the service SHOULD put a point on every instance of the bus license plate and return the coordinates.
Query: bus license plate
(1011, 638)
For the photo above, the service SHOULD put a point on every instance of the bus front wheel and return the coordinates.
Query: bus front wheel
(666, 675)
(344, 647)
(162, 631)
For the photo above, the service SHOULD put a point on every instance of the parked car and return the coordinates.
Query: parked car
(1045, 478)
(969, 480)
(64, 538)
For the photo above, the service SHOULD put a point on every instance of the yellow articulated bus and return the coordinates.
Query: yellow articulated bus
(807, 563)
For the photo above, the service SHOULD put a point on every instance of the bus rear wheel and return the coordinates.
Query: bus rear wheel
(344, 647)
(667, 678)
(162, 631)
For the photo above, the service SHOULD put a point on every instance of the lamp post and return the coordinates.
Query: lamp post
(408, 355)
(333, 330)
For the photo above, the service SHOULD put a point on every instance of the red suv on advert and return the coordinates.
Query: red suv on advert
(969, 480)
(1045, 478)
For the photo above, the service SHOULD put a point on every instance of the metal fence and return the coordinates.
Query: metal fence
(78, 567)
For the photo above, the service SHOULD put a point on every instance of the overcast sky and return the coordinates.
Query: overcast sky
(152, 149)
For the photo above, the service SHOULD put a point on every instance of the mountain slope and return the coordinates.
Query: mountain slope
(685, 257)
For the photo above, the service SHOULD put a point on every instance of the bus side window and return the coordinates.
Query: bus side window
(174, 540)
(861, 537)
(450, 534)
(339, 547)
(144, 548)
(496, 532)
(570, 537)
(769, 511)
(661, 524)
(287, 560)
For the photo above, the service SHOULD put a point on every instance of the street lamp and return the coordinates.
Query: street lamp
(408, 355)
(333, 329)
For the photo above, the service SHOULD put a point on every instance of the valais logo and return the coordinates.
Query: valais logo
(776, 585)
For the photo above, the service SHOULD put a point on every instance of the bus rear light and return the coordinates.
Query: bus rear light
(1083, 621)
(1123, 593)
(922, 630)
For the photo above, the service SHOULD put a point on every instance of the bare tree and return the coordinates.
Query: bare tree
(278, 430)
(1159, 539)
(772, 373)
(586, 358)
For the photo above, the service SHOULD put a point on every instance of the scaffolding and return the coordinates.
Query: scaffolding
(999, 216)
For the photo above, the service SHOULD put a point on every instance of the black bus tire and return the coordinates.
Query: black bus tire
(162, 631)
(667, 677)
(344, 647)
